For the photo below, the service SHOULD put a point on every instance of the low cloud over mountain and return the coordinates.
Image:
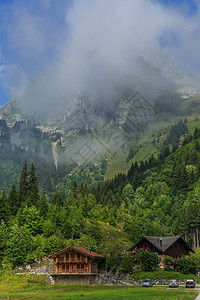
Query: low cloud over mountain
(58, 48)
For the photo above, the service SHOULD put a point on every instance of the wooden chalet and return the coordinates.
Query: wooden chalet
(76, 260)
(174, 246)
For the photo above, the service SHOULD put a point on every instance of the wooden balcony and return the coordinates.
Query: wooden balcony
(60, 259)
(79, 271)
(75, 260)
(69, 259)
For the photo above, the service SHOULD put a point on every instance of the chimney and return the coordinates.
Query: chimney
(161, 242)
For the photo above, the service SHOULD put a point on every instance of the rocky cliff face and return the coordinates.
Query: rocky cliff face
(80, 132)
(90, 124)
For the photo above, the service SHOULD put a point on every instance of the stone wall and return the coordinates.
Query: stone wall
(104, 278)
(110, 279)
(72, 278)
(43, 266)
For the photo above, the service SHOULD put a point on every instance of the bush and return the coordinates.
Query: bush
(169, 263)
(112, 263)
(187, 265)
(127, 263)
(148, 261)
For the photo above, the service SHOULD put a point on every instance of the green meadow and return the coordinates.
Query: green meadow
(33, 287)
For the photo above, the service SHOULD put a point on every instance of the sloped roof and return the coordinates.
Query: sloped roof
(167, 241)
(78, 249)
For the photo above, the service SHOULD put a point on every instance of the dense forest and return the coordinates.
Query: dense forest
(159, 197)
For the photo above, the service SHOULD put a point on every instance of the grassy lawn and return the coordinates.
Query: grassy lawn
(33, 287)
(100, 292)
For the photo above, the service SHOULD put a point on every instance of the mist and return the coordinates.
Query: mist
(56, 49)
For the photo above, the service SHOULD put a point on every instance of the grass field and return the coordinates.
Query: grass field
(33, 287)
(99, 292)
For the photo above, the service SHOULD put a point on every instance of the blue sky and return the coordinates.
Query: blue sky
(189, 7)
(37, 37)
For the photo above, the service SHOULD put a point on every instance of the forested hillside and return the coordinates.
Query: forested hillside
(159, 196)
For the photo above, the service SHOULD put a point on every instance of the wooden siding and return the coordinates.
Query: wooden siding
(74, 262)
(177, 250)
(145, 246)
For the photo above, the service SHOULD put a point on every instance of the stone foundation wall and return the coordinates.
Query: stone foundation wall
(74, 278)
(107, 278)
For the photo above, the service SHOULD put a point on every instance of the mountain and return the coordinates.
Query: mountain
(92, 126)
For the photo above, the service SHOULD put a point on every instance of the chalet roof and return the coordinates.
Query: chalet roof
(80, 250)
(163, 243)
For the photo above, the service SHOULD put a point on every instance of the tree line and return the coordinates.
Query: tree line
(158, 197)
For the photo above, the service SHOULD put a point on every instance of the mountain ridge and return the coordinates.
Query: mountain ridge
(91, 127)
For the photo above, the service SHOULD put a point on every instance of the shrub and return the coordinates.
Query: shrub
(127, 263)
(187, 265)
(112, 263)
(169, 263)
(148, 261)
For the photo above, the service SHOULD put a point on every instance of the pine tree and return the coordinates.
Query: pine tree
(130, 155)
(196, 131)
(43, 205)
(74, 189)
(23, 185)
(33, 192)
(197, 147)
(4, 210)
(57, 199)
(13, 200)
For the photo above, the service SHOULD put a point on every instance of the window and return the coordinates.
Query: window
(82, 267)
(67, 256)
(67, 268)
(78, 256)
(63, 268)
(78, 266)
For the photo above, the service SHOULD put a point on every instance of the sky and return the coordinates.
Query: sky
(49, 48)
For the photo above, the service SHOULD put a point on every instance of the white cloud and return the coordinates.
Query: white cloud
(91, 43)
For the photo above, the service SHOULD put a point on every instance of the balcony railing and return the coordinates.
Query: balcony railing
(76, 260)
(60, 259)
(71, 259)
(79, 271)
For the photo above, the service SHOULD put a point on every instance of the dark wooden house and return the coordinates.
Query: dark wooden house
(174, 246)
(76, 260)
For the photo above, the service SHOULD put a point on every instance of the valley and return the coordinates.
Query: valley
(99, 149)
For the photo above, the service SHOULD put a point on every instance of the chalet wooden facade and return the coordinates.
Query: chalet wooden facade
(174, 246)
(76, 260)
